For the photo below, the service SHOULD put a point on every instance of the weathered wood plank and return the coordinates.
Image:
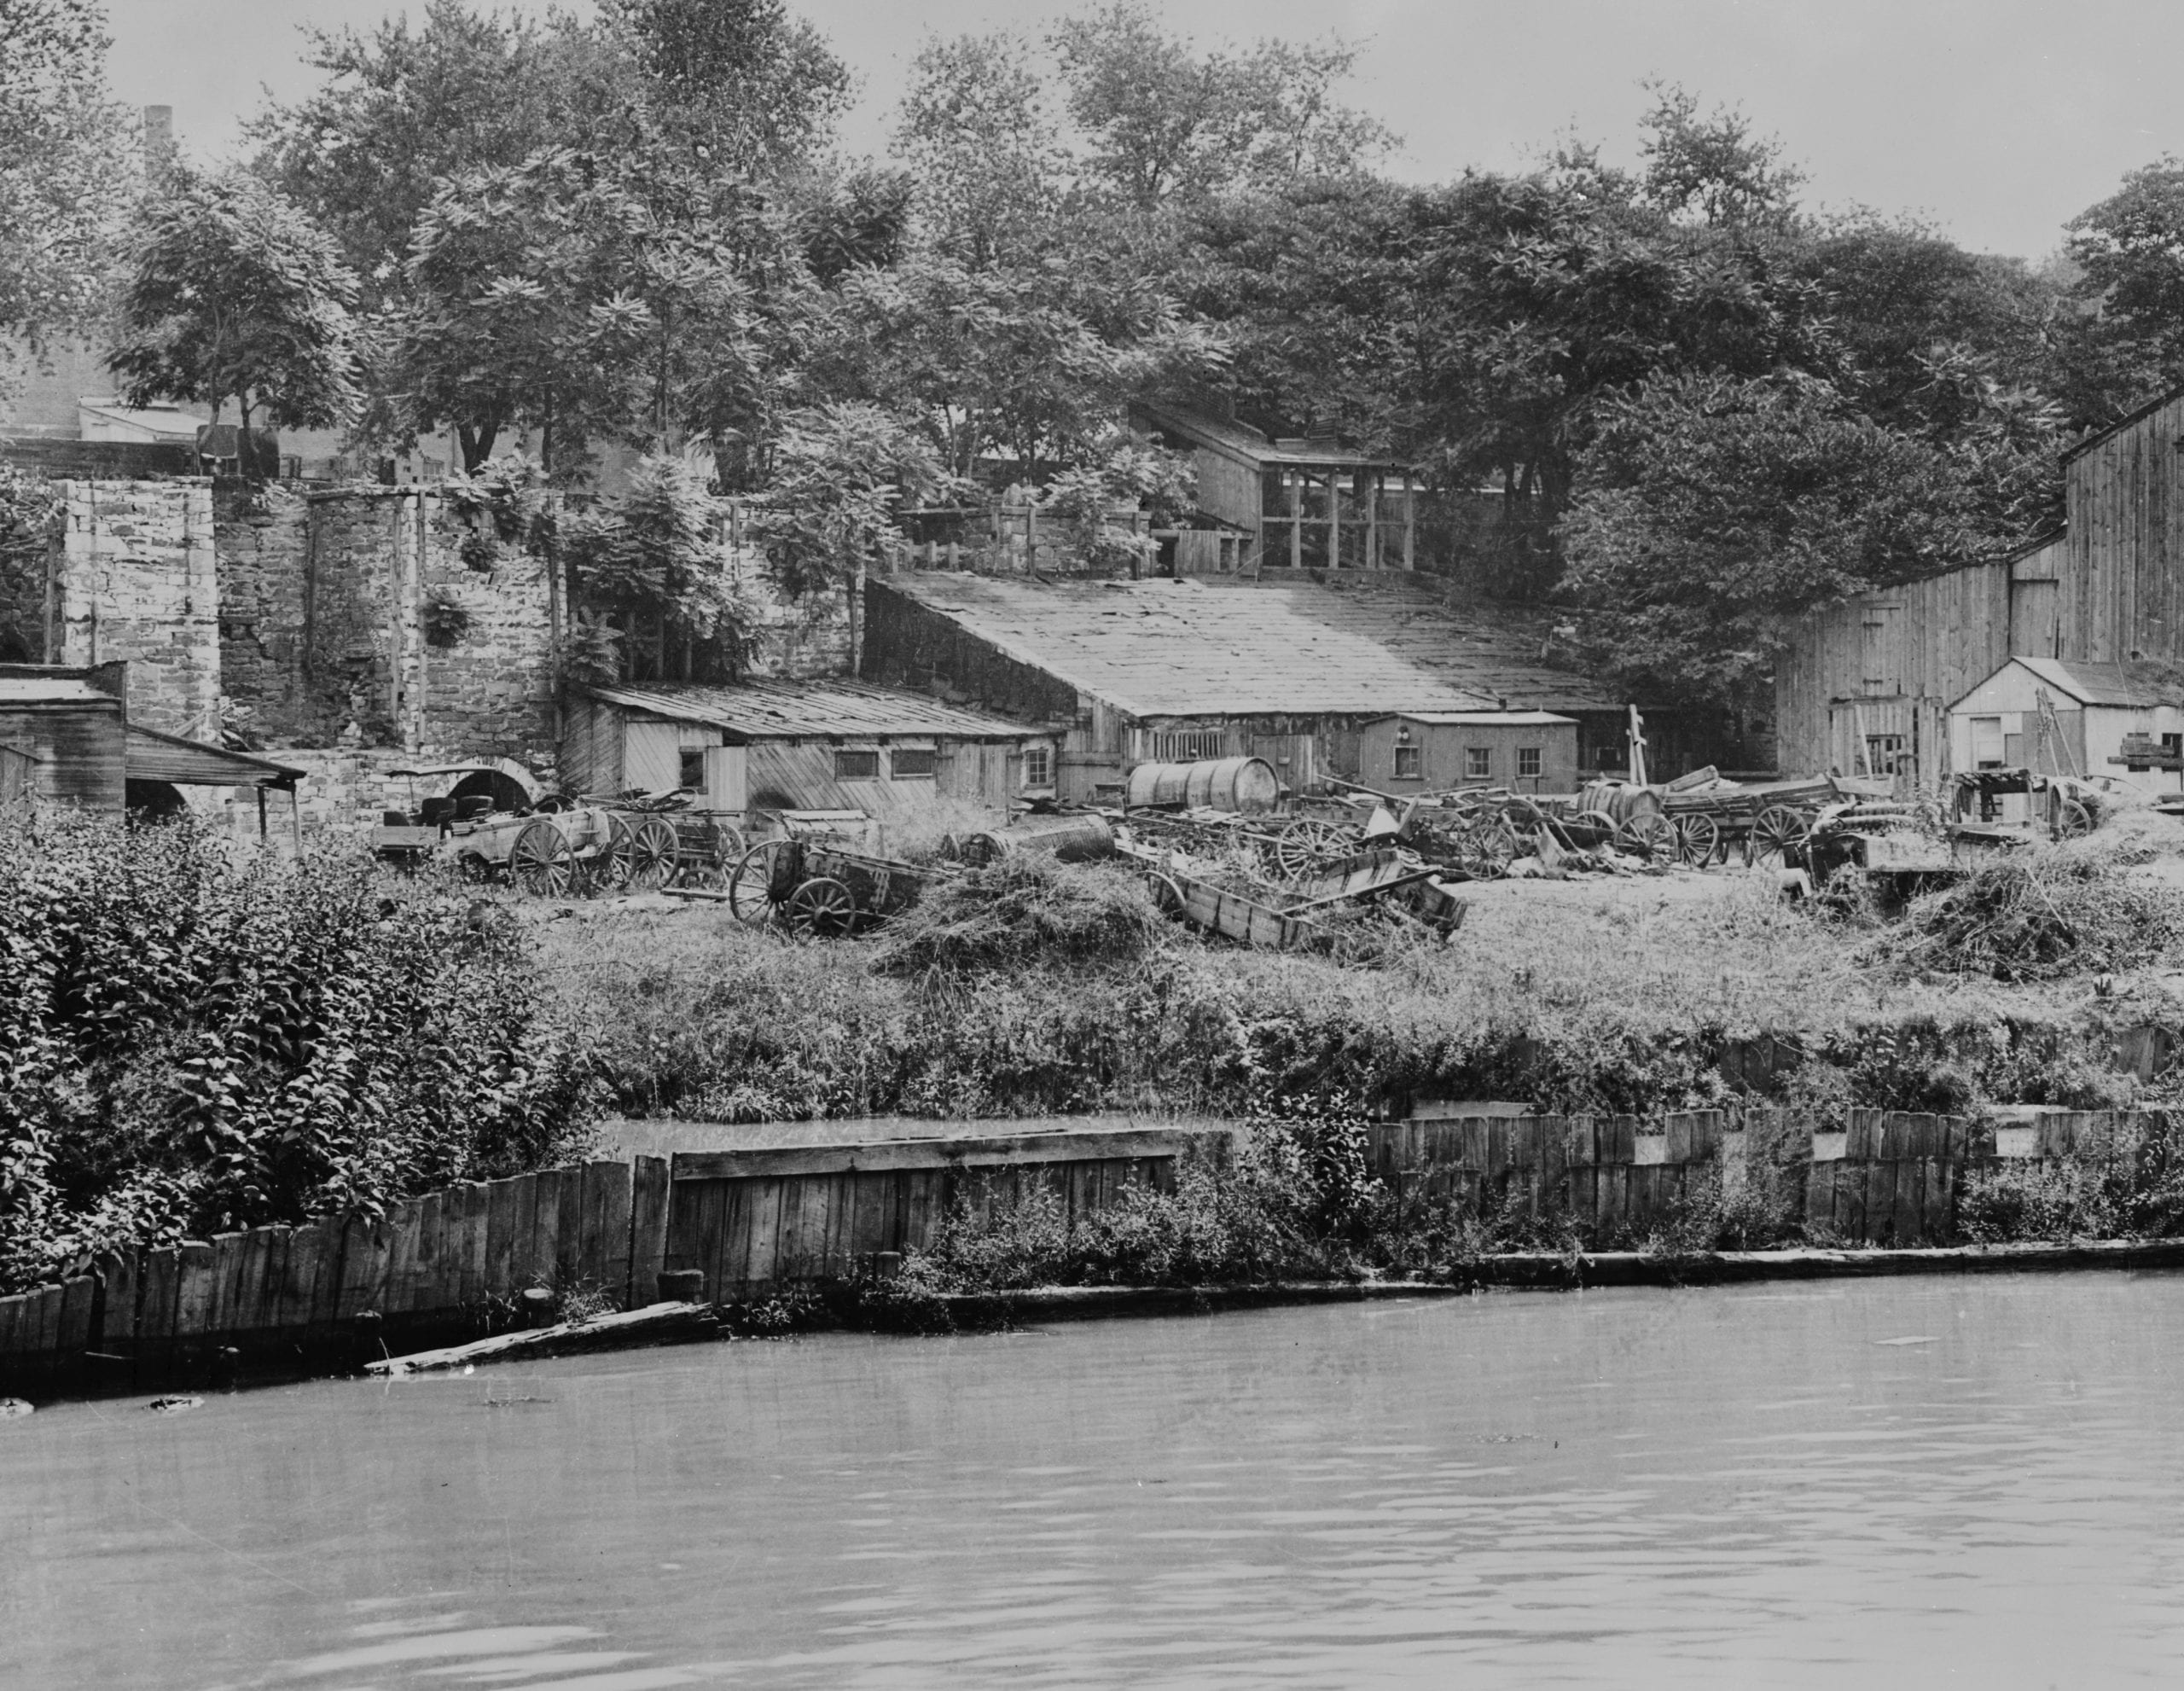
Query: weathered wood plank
(607, 1225)
(649, 1188)
(404, 1225)
(1041, 1147)
(78, 1305)
(121, 1275)
(545, 1253)
(568, 1232)
(501, 1199)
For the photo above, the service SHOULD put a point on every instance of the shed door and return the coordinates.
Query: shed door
(651, 756)
(728, 778)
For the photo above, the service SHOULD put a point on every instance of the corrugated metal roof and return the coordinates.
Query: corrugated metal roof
(1202, 647)
(781, 710)
(165, 757)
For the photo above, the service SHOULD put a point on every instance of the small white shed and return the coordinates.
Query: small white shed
(2097, 706)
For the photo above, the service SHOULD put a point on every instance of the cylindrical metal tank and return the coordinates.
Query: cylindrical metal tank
(1074, 839)
(1247, 786)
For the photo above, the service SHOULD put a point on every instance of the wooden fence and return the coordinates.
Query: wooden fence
(749, 1220)
(1887, 1178)
(459, 1261)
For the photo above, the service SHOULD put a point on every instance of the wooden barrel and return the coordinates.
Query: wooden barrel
(1247, 786)
(1619, 800)
(1074, 839)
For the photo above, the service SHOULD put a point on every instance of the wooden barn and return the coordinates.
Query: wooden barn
(1866, 686)
(1437, 751)
(1285, 505)
(1127, 672)
(900, 758)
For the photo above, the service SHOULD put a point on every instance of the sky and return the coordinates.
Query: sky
(1998, 120)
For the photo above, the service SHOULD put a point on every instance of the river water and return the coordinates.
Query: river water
(1909, 1482)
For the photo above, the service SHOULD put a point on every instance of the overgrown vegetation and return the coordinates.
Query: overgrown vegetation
(1023, 911)
(189, 1042)
(2043, 915)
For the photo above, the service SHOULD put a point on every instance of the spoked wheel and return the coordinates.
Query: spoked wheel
(750, 882)
(1775, 833)
(651, 846)
(1487, 847)
(1167, 896)
(540, 861)
(822, 909)
(2072, 820)
(1648, 836)
(1598, 822)
(607, 869)
(1697, 839)
(1304, 845)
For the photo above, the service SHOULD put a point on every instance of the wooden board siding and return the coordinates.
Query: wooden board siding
(1926, 643)
(2120, 594)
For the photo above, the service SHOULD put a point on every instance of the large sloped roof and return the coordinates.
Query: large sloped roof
(1199, 647)
(2139, 686)
(781, 710)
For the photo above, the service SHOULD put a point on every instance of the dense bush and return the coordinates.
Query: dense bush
(190, 1041)
(2043, 915)
(1025, 910)
(2124, 1178)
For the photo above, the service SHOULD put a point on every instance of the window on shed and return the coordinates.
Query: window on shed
(1528, 761)
(1038, 766)
(860, 765)
(693, 767)
(1410, 763)
(912, 763)
(1479, 763)
(1189, 745)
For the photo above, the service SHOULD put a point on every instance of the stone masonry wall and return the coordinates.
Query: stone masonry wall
(135, 579)
(324, 622)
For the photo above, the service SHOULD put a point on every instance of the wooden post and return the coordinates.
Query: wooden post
(1373, 520)
(295, 819)
(1409, 522)
(261, 814)
(1334, 519)
(1296, 479)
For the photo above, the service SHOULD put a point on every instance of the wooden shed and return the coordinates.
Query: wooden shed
(1437, 751)
(1998, 725)
(1306, 503)
(899, 757)
(73, 725)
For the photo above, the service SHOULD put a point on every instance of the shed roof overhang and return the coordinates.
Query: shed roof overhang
(153, 756)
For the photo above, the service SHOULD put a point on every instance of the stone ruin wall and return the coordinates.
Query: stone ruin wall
(134, 577)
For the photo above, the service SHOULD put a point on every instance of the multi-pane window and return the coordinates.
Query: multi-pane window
(1410, 763)
(693, 767)
(1528, 761)
(1038, 766)
(861, 765)
(913, 763)
(1479, 763)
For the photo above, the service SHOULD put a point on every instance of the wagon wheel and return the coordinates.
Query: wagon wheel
(1487, 847)
(651, 849)
(1301, 846)
(607, 869)
(1698, 838)
(822, 909)
(541, 862)
(712, 854)
(1167, 896)
(750, 882)
(2072, 821)
(1777, 831)
(1648, 836)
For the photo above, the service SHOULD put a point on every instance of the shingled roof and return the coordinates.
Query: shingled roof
(1201, 648)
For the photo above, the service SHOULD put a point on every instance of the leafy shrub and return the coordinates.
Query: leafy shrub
(1026, 909)
(191, 1041)
(2042, 915)
(2124, 1178)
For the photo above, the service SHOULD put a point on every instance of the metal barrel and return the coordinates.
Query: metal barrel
(1074, 839)
(1619, 800)
(1247, 786)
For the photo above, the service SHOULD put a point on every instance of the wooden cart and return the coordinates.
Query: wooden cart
(819, 889)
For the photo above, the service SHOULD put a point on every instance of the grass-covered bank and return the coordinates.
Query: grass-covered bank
(1623, 998)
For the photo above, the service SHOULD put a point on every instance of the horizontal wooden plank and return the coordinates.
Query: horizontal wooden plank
(782, 1161)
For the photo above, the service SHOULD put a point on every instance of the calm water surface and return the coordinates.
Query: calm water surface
(1900, 1483)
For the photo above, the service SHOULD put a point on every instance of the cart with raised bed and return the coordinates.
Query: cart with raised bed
(671, 844)
(818, 888)
(1766, 823)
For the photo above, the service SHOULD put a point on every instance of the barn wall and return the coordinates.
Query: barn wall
(2121, 597)
(81, 752)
